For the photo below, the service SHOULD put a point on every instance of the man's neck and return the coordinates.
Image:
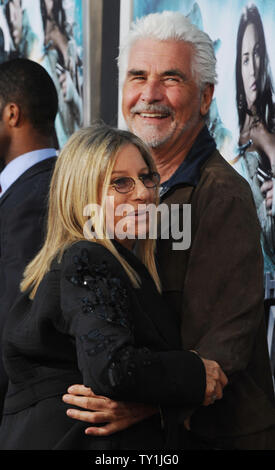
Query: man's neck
(169, 157)
(17, 150)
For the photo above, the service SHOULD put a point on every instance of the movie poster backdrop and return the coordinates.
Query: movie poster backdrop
(50, 33)
(242, 114)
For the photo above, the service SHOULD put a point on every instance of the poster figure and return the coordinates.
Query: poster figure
(5, 39)
(256, 119)
(63, 63)
(49, 32)
(256, 116)
(24, 39)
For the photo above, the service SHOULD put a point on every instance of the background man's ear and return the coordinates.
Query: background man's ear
(11, 114)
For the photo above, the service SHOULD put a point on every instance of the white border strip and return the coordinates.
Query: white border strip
(126, 17)
(271, 335)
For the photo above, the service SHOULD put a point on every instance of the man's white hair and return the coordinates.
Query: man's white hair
(171, 25)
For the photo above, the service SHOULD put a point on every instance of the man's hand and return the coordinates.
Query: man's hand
(113, 415)
(216, 380)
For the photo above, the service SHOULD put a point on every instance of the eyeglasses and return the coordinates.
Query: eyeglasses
(125, 184)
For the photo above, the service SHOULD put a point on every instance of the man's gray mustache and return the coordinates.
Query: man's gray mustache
(152, 108)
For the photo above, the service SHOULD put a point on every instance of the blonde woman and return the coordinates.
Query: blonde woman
(91, 311)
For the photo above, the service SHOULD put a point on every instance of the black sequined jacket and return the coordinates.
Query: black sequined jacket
(87, 324)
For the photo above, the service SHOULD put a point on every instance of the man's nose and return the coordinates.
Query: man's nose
(152, 92)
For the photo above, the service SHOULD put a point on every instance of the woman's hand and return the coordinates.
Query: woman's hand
(113, 415)
(267, 189)
(263, 140)
(58, 40)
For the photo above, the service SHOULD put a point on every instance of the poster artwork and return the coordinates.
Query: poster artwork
(50, 33)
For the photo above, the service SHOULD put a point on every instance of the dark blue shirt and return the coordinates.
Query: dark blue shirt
(189, 170)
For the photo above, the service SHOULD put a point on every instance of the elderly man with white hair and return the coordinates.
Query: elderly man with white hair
(215, 287)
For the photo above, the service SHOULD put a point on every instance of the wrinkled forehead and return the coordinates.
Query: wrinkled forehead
(161, 53)
(153, 56)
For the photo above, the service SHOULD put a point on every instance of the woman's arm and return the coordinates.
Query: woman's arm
(95, 296)
(118, 415)
(263, 141)
(155, 388)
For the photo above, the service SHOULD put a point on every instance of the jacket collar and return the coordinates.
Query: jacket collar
(39, 167)
(21, 164)
(189, 170)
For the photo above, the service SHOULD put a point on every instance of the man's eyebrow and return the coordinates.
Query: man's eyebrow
(166, 73)
(174, 73)
(134, 72)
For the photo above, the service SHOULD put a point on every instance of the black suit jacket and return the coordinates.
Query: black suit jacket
(22, 222)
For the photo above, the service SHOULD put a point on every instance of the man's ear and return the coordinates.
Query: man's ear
(206, 98)
(11, 114)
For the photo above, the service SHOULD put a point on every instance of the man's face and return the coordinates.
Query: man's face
(161, 102)
(16, 20)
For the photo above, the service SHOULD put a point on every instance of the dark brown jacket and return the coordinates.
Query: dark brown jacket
(216, 288)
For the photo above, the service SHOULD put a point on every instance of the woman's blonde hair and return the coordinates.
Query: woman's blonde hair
(81, 177)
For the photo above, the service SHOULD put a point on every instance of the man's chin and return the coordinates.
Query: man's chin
(152, 139)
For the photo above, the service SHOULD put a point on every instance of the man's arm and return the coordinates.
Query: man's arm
(112, 415)
(118, 415)
(226, 268)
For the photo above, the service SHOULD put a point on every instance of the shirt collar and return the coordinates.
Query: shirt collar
(20, 164)
(189, 170)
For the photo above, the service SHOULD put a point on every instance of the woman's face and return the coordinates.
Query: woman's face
(124, 212)
(250, 64)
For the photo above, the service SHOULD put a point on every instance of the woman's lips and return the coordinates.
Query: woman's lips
(253, 86)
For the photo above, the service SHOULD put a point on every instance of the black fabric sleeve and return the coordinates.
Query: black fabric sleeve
(96, 305)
